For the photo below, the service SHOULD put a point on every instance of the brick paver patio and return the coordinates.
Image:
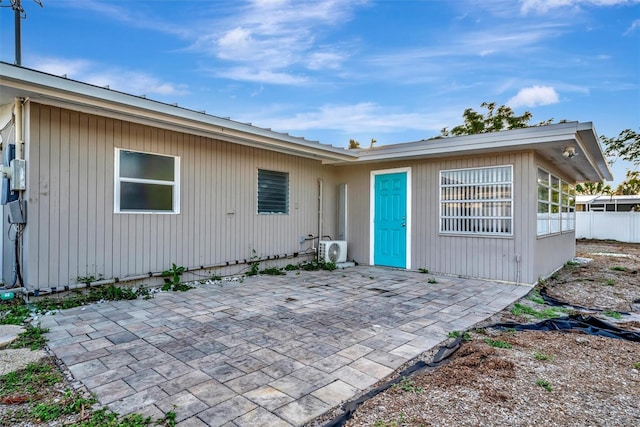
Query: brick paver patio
(271, 350)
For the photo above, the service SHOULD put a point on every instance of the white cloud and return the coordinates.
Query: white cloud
(358, 118)
(635, 25)
(261, 76)
(543, 6)
(128, 81)
(273, 37)
(534, 96)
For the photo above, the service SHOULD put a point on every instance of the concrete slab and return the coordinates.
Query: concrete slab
(269, 351)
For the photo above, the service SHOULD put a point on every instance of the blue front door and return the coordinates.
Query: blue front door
(390, 220)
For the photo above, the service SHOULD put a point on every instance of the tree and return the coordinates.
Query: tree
(502, 118)
(353, 144)
(631, 185)
(625, 146)
(594, 189)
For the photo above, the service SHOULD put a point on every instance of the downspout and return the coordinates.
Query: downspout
(320, 217)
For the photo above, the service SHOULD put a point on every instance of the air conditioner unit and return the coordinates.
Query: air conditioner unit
(333, 251)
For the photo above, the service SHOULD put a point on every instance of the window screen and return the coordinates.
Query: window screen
(273, 192)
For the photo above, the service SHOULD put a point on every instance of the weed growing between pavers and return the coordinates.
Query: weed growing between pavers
(37, 394)
(33, 338)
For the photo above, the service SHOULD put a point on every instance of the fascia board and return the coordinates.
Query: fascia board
(589, 137)
(469, 145)
(50, 89)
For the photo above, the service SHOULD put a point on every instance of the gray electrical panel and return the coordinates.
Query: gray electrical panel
(17, 212)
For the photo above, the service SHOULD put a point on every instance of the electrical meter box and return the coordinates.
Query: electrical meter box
(18, 174)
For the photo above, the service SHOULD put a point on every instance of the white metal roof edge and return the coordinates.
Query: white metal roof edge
(582, 134)
(73, 91)
(524, 138)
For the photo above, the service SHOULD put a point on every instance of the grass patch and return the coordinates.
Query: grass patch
(459, 334)
(545, 384)
(408, 385)
(538, 355)
(571, 263)
(33, 338)
(423, 270)
(636, 366)
(72, 404)
(617, 268)
(547, 313)
(535, 297)
(497, 343)
(29, 380)
(612, 314)
(609, 282)
(15, 313)
(432, 281)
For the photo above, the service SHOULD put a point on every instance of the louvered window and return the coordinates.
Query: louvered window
(477, 201)
(273, 192)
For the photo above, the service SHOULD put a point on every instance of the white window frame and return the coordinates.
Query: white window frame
(480, 219)
(287, 200)
(175, 184)
(565, 219)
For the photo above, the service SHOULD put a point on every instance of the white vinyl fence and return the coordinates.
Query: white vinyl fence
(621, 226)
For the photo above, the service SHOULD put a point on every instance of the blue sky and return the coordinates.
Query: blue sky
(331, 70)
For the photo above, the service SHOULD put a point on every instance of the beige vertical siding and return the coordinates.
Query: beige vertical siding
(73, 231)
(485, 257)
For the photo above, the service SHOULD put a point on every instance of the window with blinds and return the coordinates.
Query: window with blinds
(477, 201)
(273, 192)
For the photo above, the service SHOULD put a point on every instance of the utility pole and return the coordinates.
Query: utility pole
(18, 13)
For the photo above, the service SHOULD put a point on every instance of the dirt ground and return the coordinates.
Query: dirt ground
(536, 378)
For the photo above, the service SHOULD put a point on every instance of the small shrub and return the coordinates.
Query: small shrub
(172, 279)
(545, 384)
(423, 270)
(432, 281)
(497, 343)
(571, 263)
(291, 267)
(612, 314)
(456, 334)
(636, 366)
(618, 268)
(609, 282)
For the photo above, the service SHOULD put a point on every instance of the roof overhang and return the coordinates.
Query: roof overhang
(58, 91)
(549, 142)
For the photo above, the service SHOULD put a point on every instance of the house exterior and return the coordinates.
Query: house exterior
(607, 203)
(119, 187)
